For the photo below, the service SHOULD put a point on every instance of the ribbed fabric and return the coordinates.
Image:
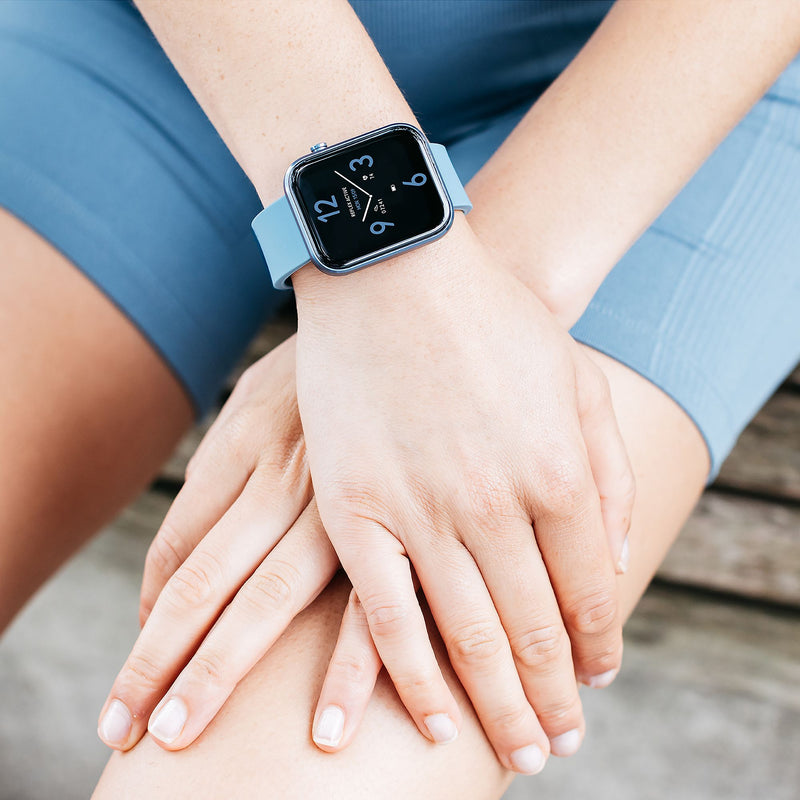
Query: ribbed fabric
(706, 304)
(104, 151)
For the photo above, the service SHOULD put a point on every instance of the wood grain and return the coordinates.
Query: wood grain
(740, 545)
(766, 458)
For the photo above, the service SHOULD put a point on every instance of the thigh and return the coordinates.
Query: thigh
(131, 288)
(88, 411)
(260, 743)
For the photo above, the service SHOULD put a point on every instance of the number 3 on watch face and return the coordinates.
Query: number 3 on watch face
(369, 199)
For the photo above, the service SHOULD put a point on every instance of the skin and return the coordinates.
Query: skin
(269, 713)
(67, 399)
(260, 741)
(566, 484)
(196, 61)
(246, 476)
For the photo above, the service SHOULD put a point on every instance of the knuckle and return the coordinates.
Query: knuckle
(539, 647)
(206, 669)
(284, 462)
(565, 484)
(486, 500)
(237, 438)
(556, 711)
(387, 617)
(357, 499)
(606, 660)
(141, 670)
(415, 684)
(354, 606)
(509, 718)
(475, 644)
(164, 554)
(352, 668)
(193, 585)
(273, 589)
(594, 614)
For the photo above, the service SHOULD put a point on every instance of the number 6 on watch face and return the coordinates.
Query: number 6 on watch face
(358, 208)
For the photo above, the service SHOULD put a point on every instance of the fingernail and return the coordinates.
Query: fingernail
(441, 728)
(528, 760)
(566, 744)
(115, 727)
(624, 556)
(169, 721)
(329, 727)
(602, 680)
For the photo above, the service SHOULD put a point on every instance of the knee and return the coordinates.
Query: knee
(260, 744)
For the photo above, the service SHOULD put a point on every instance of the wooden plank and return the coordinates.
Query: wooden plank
(740, 545)
(766, 458)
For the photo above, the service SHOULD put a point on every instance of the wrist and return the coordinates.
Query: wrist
(427, 269)
(563, 286)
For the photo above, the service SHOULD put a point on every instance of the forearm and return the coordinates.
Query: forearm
(275, 77)
(619, 133)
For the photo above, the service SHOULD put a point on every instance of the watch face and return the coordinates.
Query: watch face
(367, 199)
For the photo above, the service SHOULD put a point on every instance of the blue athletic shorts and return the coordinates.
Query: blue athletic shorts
(105, 153)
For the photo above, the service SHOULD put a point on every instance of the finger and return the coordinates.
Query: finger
(380, 572)
(294, 573)
(213, 485)
(609, 462)
(517, 580)
(192, 600)
(481, 656)
(349, 682)
(568, 527)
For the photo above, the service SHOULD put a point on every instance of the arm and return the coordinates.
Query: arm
(618, 134)
(416, 457)
(338, 101)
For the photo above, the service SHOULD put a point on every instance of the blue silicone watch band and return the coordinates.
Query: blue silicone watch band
(452, 183)
(281, 242)
(284, 248)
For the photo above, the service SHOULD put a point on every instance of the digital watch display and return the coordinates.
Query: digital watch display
(359, 202)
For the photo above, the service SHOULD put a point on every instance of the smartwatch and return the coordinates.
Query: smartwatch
(352, 204)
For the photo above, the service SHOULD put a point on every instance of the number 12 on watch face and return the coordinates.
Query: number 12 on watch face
(360, 200)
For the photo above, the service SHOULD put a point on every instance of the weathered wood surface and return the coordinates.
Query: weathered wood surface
(766, 458)
(732, 543)
(740, 545)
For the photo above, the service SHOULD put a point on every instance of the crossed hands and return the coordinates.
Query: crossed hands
(460, 444)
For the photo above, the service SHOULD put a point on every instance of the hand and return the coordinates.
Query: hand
(241, 549)
(453, 425)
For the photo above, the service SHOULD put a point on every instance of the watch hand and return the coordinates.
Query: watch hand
(366, 210)
(351, 183)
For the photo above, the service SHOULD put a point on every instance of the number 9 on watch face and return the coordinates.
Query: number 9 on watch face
(368, 198)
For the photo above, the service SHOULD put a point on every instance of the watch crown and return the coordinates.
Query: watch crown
(315, 148)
